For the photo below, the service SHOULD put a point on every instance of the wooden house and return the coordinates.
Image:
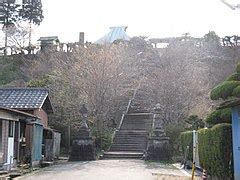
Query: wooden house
(36, 102)
(20, 138)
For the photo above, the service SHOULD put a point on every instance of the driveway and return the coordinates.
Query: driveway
(107, 170)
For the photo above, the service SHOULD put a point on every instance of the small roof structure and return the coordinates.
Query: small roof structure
(116, 33)
(49, 40)
(25, 98)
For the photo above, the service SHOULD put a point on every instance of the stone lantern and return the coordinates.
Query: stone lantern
(83, 144)
(158, 143)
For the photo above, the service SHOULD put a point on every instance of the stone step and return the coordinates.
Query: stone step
(132, 141)
(127, 127)
(129, 145)
(132, 132)
(130, 137)
(122, 155)
(125, 148)
(128, 149)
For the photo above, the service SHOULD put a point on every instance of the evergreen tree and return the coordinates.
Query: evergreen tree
(195, 122)
(32, 12)
(8, 16)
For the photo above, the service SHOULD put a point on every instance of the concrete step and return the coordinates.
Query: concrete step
(132, 141)
(128, 126)
(132, 132)
(126, 137)
(129, 145)
(126, 148)
(122, 155)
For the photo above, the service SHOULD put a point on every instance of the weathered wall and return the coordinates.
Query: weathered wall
(40, 113)
(56, 145)
(5, 139)
(7, 116)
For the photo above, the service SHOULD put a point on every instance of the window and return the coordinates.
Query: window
(10, 129)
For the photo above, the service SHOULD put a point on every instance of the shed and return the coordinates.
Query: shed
(18, 140)
(34, 101)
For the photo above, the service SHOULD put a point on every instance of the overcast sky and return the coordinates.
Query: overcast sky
(153, 18)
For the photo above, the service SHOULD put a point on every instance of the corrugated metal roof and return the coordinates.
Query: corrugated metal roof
(118, 32)
(23, 98)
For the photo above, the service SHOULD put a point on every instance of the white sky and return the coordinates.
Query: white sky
(153, 18)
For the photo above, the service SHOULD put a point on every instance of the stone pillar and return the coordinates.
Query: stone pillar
(81, 38)
(158, 147)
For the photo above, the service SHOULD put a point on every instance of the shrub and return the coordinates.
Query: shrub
(224, 90)
(103, 139)
(234, 77)
(187, 140)
(215, 150)
(219, 116)
(236, 92)
(238, 68)
(173, 131)
(195, 122)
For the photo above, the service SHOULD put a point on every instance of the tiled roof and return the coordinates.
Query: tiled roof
(48, 38)
(23, 98)
(115, 33)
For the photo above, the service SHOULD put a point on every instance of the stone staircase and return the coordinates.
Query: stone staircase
(130, 140)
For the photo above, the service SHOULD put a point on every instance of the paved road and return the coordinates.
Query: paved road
(105, 170)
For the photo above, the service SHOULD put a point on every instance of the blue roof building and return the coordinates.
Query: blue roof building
(116, 33)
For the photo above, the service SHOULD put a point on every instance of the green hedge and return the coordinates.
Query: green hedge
(234, 77)
(186, 139)
(215, 150)
(238, 68)
(224, 90)
(219, 116)
(236, 92)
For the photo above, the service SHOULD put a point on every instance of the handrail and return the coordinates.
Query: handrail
(153, 123)
(126, 111)
(123, 114)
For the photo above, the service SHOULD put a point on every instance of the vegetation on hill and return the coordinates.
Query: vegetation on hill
(9, 70)
(103, 77)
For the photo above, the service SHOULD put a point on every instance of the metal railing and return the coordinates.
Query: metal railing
(124, 113)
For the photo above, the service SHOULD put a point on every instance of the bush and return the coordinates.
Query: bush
(224, 90)
(238, 68)
(215, 150)
(173, 131)
(219, 116)
(236, 92)
(103, 139)
(187, 140)
(234, 77)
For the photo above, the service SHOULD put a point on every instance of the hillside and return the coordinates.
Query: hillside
(206, 69)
